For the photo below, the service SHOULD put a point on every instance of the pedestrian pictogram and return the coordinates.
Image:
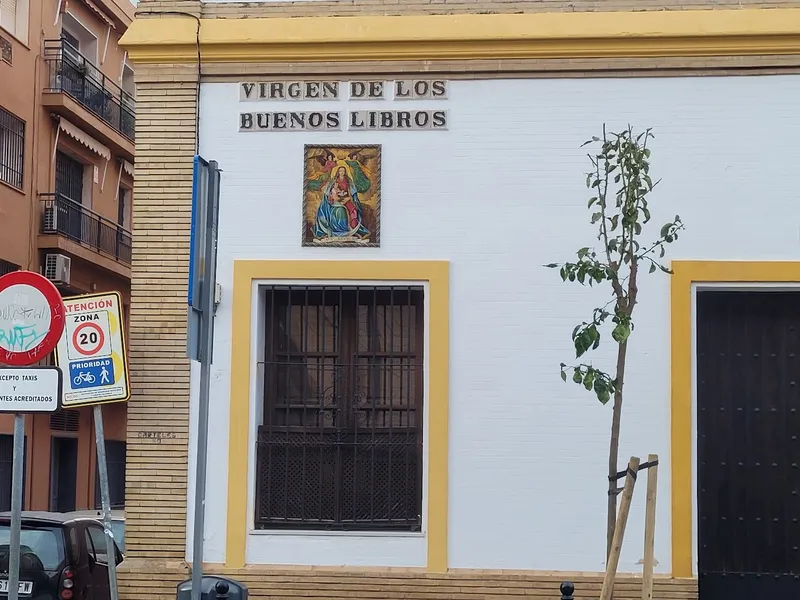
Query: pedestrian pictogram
(92, 351)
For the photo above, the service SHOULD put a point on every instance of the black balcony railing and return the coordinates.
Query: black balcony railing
(66, 217)
(71, 73)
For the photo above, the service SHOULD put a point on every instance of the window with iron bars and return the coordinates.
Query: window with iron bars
(12, 148)
(340, 445)
(7, 267)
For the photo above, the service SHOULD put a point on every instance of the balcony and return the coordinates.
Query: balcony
(73, 221)
(79, 90)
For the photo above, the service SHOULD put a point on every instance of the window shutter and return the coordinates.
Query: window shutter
(8, 15)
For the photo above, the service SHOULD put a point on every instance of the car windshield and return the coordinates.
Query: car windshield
(42, 547)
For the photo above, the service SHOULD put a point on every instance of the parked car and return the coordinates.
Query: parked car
(117, 523)
(63, 557)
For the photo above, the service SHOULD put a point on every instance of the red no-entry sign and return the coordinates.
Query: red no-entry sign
(31, 318)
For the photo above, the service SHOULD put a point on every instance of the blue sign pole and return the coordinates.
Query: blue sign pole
(202, 284)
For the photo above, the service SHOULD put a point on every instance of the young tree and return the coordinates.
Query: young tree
(620, 183)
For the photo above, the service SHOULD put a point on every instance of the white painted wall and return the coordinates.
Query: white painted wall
(499, 194)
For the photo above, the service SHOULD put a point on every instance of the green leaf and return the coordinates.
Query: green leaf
(587, 381)
(604, 396)
(583, 252)
(563, 375)
(592, 201)
(596, 217)
(551, 266)
(652, 267)
(665, 229)
(614, 222)
(576, 376)
(620, 333)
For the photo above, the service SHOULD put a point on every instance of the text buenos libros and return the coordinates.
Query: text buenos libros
(356, 120)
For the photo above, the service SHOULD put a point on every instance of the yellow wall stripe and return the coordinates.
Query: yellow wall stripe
(475, 36)
(685, 274)
(436, 274)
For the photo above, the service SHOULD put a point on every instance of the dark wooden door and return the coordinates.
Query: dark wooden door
(63, 473)
(748, 447)
(7, 469)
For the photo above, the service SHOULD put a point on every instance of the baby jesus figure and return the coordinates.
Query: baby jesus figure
(341, 189)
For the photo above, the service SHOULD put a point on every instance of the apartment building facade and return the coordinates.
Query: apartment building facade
(67, 117)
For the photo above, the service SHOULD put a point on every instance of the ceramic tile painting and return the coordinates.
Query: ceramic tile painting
(342, 195)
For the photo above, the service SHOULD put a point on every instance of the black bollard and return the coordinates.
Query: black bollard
(221, 588)
(567, 589)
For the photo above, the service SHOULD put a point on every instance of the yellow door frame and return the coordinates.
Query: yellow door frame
(685, 275)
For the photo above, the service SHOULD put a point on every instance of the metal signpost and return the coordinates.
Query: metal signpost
(91, 353)
(31, 322)
(200, 337)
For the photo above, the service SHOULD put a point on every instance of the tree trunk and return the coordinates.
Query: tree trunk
(613, 451)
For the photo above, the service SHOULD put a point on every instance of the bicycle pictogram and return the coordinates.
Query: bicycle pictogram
(83, 378)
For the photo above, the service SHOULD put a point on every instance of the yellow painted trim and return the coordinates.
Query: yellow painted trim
(436, 274)
(538, 35)
(686, 273)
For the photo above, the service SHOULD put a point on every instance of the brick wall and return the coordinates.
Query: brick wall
(158, 412)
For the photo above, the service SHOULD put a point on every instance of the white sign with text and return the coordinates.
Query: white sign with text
(30, 389)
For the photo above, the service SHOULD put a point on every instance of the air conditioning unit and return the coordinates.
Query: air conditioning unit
(57, 268)
(50, 218)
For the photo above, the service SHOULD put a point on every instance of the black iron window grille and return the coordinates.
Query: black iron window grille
(12, 149)
(340, 447)
(7, 267)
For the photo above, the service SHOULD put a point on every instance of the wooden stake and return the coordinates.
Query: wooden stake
(619, 531)
(650, 528)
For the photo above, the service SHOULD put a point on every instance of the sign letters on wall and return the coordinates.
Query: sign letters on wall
(333, 120)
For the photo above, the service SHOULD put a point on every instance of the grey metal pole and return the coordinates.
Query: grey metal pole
(206, 350)
(105, 499)
(18, 468)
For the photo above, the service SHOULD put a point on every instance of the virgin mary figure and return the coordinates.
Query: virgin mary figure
(339, 214)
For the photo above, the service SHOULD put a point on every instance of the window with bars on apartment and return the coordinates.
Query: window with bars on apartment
(340, 445)
(12, 149)
(7, 267)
